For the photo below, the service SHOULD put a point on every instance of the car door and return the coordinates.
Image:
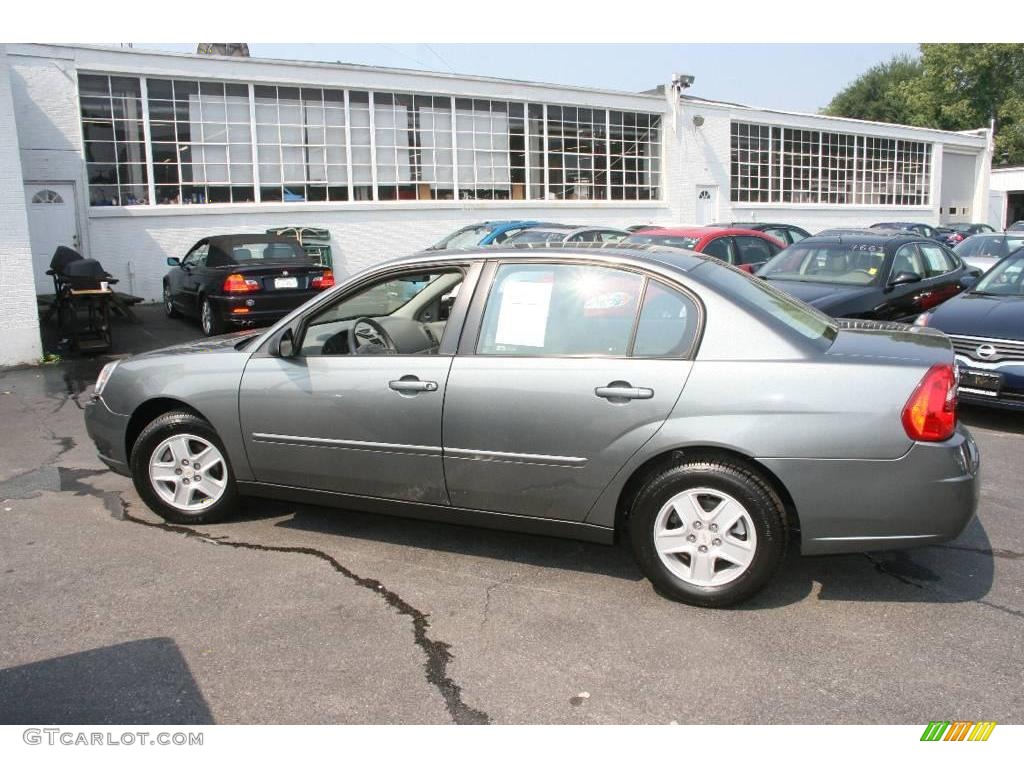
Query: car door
(904, 301)
(363, 424)
(191, 276)
(942, 275)
(557, 383)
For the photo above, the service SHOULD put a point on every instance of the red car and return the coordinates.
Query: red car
(744, 248)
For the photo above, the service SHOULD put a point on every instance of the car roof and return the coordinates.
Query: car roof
(862, 237)
(755, 224)
(700, 232)
(229, 241)
(639, 254)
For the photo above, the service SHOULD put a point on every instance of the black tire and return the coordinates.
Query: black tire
(158, 430)
(169, 309)
(763, 505)
(211, 323)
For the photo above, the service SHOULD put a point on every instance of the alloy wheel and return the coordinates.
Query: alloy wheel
(705, 537)
(188, 472)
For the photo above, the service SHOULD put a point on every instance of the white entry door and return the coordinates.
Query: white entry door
(52, 221)
(707, 204)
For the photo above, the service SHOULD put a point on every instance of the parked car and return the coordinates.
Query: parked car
(572, 391)
(984, 251)
(885, 275)
(635, 227)
(485, 233)
(986, 326)
(242, 280)
(915, 227)
(957, 233)
(786, 233)
(1017, 226)
(563, 233)
(744, 248)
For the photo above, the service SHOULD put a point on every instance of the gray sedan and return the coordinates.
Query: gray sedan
(579, 392)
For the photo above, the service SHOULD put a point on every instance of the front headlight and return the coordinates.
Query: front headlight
(104, 377)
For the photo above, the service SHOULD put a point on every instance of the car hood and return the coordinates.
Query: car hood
(824, 296)
(223, 343)
(973, 314)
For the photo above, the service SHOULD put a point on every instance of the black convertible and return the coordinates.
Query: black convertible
(877, 275)
(242, 280)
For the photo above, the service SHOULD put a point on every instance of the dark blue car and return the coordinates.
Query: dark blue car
(986, 326)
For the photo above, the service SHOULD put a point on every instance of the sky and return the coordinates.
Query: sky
(796, 77)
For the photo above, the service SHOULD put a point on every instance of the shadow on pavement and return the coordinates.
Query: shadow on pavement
(143, 681)
(998, 419)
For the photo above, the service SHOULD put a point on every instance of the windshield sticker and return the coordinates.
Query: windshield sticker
(523, 317)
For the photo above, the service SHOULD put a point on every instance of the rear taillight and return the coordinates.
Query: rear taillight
(930, 413)
(236, 283)
(326, 280)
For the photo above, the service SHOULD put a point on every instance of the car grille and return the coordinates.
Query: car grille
(994, 350)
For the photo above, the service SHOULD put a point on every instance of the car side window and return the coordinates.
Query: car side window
(990, 246)
(752, 250)
(721, 248)
(503, 236)
(782, 234)
(936, 262)
(197, 256)
(560, 310)
(970, 247)
(667, 325)
(907, 259)
(795, 236)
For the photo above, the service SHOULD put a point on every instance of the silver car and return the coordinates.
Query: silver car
(573, 391)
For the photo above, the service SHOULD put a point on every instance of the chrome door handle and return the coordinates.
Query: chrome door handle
(412, 384)
(622, 391)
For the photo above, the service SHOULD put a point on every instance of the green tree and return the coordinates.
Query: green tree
(879, 93)
(953, 86)
(970, 85)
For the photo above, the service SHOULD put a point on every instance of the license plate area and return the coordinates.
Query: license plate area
(981, 382)
(286, 282)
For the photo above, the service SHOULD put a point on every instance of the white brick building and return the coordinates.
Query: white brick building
(132, 156)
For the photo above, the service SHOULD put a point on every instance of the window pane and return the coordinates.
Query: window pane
(668, 323)
(560, 309)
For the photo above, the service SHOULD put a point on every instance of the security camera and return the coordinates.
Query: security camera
(682, 81)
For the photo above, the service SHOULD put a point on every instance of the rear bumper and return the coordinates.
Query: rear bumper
(259, 308)
(107, 430)
(927, 496)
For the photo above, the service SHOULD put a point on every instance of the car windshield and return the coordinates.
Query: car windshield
(464, 238)
(676, 241)
(1004, 279)
(839, 263)
(242, 252)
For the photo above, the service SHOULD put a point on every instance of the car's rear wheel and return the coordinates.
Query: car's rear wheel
(212, 324)
(169, 308)
(180, 469)
(708, 533)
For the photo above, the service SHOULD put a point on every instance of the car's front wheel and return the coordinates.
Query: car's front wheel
(709, 533)
(180, 469)
(212, 323)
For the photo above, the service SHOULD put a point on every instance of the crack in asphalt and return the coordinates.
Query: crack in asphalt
(438, 655)
(487, 596)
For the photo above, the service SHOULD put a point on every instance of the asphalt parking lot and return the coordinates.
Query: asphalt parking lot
(296, 614)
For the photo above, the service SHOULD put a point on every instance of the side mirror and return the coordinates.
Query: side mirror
(903, 278)
(968, 280)
(286, 344)
(173, 261)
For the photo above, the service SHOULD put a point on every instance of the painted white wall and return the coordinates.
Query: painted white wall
(19, 323)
